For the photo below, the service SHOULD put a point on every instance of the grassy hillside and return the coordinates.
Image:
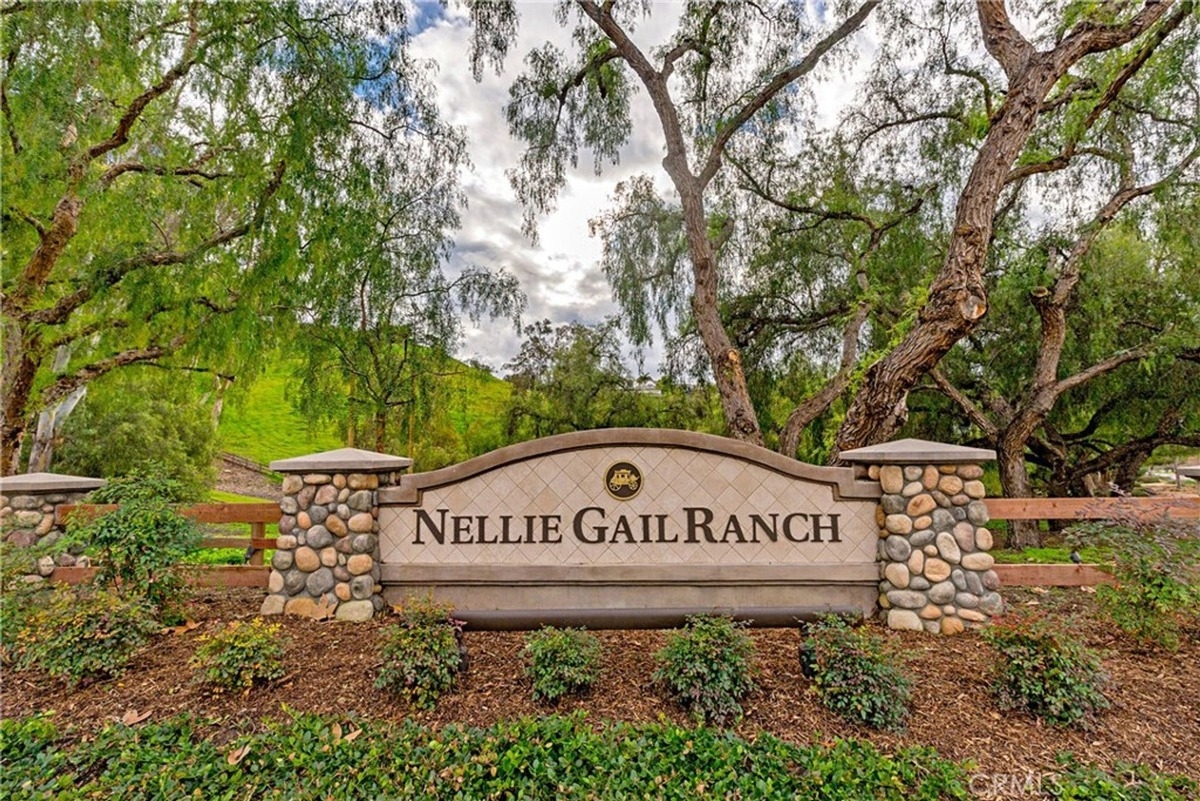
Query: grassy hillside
(263, 426)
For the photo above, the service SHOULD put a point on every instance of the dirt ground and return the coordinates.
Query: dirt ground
(1154, 719)
(232, 477)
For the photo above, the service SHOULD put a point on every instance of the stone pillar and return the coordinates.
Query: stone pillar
(326, 562)
(27, 512)
(935, 570)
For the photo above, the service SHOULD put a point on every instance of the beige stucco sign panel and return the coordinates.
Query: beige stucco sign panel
(629, 519)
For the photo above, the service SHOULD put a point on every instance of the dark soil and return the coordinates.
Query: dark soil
(1154, 719)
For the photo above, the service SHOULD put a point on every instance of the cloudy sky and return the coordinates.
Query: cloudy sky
(561, 274)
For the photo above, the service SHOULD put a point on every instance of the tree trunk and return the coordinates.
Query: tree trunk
(957, 298)
(1014, 479)
(219, 400)
(49, 431)
(816, 405)
(381, 432)
(17, 384)
(740, 418)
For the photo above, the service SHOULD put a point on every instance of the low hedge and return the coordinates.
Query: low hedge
(552, 757)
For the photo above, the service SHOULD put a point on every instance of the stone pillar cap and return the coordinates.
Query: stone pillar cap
(917, 451)
(48, 482)
(343, 460)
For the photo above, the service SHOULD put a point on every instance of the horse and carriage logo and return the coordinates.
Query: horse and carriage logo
(623, 480)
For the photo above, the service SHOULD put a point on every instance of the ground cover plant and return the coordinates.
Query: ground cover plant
(707, 667)
(854, 675)
(422, 652)
(561, 661)
(1043, 670)
(317, 757)
(313, 756)
(1128, 782)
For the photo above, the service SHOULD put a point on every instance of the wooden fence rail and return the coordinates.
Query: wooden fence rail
(258, 515)
(1176, 507)
(1180, 506)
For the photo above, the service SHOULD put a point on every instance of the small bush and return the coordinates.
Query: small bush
(422, 653)
(89, 634)
(240, 655)
(1044, 671)
(1157, 567)
(854, 676)
(561, 661)
(707, 667)
(139, 544)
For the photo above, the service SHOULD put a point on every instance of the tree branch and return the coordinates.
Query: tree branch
(975, 414)
(10, 60)
(1100, 368)
(133, 111)
(1089, 37)
(1002, 40)
(691, 45)
(29, 218)
(117, 170)
(60, 311)
(813, 407)
(776, 84)
(67, 384)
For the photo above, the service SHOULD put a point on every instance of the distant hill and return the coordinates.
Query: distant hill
(262, 426)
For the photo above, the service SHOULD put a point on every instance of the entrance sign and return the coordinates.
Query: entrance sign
(631, 527)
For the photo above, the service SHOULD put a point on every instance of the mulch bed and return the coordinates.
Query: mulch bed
(1154, 719)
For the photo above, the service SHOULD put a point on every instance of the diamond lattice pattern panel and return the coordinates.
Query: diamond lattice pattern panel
(691, 507)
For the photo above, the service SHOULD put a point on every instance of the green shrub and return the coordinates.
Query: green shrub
(1044, 671)
(240, 655)
(707, 667)
(89, 634)
(561, 661)
(1157, 567)
(422, 652)
(854, 676)
(138, 545)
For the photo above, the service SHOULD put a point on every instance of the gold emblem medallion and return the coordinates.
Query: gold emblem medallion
(623, 480)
